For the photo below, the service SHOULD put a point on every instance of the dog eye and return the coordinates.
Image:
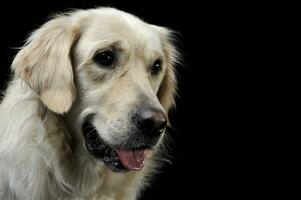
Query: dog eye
(156, 68)
(105, 58)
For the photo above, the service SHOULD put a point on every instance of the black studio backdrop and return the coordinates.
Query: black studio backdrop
(208, 160)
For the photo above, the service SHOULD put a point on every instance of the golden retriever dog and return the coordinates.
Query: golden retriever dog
(85, 112)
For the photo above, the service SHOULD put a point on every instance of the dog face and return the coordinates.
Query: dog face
(112, 73)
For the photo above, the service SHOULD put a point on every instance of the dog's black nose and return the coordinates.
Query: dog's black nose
(151, 122)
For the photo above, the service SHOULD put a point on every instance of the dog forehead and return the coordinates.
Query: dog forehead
(115, 25)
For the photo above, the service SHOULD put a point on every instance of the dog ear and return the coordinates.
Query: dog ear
(44, 63)
(168, 88)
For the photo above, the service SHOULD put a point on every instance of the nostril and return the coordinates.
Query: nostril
(162, 126)
(147, 124)
(151, 122)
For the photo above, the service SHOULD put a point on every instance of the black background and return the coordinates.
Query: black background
(211, 132)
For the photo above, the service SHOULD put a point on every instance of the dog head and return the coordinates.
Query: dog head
(110, 73)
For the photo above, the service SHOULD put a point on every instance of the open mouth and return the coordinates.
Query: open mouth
(119, 159)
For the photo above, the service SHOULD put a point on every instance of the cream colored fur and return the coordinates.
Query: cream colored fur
(56, 85)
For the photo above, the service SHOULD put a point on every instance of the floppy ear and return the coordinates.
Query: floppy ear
(168, 89)
(44, 63)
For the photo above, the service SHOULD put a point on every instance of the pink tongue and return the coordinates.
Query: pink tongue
(132, 159)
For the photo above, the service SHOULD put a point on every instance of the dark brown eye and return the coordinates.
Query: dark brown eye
(105, 58)
(157, 67)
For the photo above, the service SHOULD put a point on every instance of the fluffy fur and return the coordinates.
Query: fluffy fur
(56, 85)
